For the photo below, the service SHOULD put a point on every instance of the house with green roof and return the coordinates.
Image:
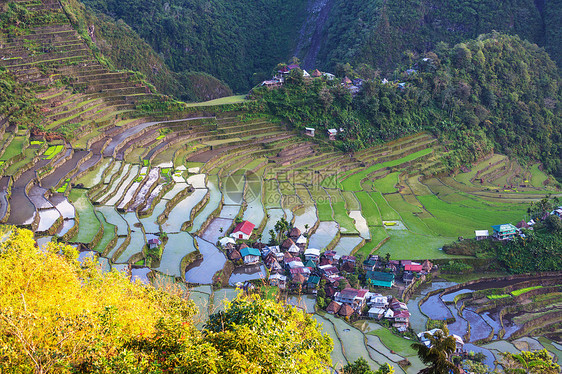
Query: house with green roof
(380, 279)
(250, 256)
(504, 232)
(313, 282)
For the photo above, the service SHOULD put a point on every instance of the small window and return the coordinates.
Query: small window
(239, 236)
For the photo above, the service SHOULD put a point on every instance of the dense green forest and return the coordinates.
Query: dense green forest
(378, 32)
(495, 91)
(235, 41)
(239, 42)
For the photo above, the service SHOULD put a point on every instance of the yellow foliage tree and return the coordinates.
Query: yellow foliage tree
(60, 316)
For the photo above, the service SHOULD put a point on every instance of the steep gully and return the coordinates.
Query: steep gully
(312, 32)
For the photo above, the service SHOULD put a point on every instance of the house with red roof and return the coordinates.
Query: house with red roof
(243, 230)
(414, 266)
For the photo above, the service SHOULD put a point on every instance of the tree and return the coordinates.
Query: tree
(437, 354)
(60, 316)
(360, 366)
(292, 342)
(537, 362)
(306, 227)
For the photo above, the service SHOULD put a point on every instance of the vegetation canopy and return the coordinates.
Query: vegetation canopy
(57, 316)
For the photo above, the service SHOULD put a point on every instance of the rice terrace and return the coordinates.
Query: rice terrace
(154, 188)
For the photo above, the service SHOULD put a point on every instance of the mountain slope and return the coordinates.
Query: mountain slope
(377, 32)
(231, 40)
(496, 88)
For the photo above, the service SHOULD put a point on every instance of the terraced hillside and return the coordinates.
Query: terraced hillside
(98, 175)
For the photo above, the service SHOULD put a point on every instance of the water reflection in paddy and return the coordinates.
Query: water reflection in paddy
(436, 309)
(306, 216)
(202, 271)
(346, 244)
(305, 302)
(212, 204)
(213, 231)
(323, 235)
(182, 211)
(177, 247)
(274, 215)
(360, 224)
(66, 226)
(140, 274)
(229, 211)
(47, 217)
(246, 273)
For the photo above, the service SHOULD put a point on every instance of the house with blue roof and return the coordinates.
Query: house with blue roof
(251, 256)
(380, 279)
(504, 232)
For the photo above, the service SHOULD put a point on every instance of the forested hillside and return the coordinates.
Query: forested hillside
(239, 42)
(496, 91)
(236, 41)
(125, 49)
(379, 32)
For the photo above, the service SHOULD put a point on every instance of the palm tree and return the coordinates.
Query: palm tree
(438, 353)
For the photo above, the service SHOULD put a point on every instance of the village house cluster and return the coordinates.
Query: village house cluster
(295, 268)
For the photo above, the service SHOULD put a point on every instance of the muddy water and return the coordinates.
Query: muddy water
(117, 139)
(246, 273)
(62, 171)
(25, 211)
(87, 164)
(202, 271)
